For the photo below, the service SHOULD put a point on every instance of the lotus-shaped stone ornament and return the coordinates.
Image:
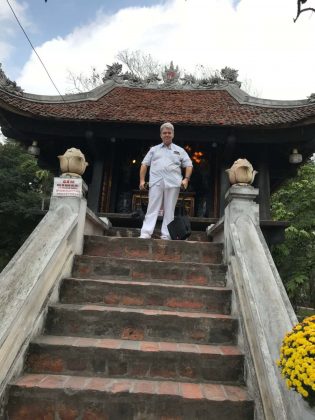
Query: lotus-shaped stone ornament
(241, 172)
(73, 162)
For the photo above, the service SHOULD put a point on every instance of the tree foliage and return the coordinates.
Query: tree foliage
(23, 186)
(301, 9)
(295, 258)
(83, 83)
(137, 63)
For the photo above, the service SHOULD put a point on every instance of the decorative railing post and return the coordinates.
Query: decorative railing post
(31, 279)
(240, 201)
(261, 303)
(69, 191)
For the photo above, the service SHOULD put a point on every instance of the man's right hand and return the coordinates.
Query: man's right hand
(142, 185)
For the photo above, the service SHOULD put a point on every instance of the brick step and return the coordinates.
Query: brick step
(127, 232)
(66, 397)
(140, 324)
(189, 273)
(153, 249)
(135, 359)
(146, 294)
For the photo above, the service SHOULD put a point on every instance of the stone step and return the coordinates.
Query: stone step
(78, 397)
(129, 232)
(140, 324)
(146, 295)
(189, 273)
(129, 221)
(153, 249)
(135, 359)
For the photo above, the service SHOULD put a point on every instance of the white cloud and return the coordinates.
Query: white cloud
(9, 26)
(257, 37)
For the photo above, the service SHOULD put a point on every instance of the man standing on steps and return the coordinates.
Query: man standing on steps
(165, 161)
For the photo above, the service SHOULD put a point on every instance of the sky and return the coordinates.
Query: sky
(275, 57)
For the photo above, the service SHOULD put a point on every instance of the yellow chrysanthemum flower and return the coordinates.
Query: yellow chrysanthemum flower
(297, 362)
(289, 383)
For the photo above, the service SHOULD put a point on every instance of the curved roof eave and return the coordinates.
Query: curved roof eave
(95, 94)
(224, 105)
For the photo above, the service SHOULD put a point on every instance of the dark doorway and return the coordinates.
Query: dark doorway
(125, 165)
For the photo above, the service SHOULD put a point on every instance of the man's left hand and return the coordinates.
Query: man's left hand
(184, 184)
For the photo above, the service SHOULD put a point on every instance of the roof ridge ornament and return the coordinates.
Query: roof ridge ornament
(171, 78)
(171, 74)
(152, 78)
(113, 72)
(8, 85)
(229, 74)
(311, 98)
(188, 79)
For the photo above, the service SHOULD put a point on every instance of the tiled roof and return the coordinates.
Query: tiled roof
(138, 105)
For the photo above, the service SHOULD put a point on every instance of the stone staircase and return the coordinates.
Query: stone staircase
(141, 331)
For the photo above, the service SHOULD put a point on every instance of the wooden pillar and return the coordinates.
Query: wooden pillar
(95, 187)
(264, 189)
(216, 186)
(226, 163)
(224, 186)
(114, 175)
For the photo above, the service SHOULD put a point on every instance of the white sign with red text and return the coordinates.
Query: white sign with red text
(67, 187)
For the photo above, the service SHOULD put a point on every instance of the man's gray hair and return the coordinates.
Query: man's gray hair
(167, 125)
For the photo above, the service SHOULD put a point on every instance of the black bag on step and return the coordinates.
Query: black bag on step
(180, 228)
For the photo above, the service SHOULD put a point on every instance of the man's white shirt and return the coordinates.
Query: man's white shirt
(165, 164)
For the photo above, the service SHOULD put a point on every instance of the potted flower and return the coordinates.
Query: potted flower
(297, 359)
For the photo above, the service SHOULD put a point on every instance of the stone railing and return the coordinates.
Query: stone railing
(31, 279)
(262, 306)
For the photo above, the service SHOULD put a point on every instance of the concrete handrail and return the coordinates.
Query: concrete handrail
(29, 279)
(266, 316)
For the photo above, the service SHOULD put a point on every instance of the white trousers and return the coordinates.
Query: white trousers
(160, 196)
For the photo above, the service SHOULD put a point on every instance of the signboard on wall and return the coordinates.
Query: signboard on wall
(67, 187)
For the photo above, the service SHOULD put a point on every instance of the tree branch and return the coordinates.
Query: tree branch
(299, 10)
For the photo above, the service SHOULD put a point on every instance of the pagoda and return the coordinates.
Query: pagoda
(116, 123)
